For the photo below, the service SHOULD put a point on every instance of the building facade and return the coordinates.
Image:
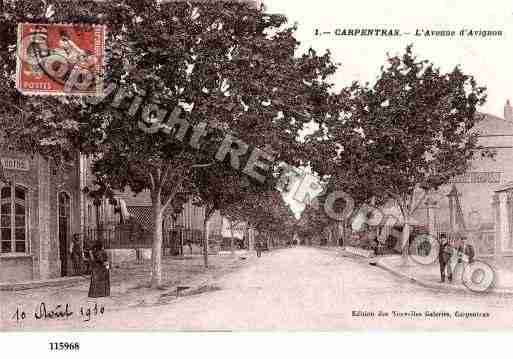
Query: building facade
(42, 206)
(40, 209)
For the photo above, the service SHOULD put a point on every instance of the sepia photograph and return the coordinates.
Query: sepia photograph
(255, 166)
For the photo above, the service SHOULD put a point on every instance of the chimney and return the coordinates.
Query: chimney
(508, 111)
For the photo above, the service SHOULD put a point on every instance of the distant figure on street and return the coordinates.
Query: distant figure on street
(373, 242)
(444, 256)
(100, 275)
(77, 255)
(341, 241)
(258, 247)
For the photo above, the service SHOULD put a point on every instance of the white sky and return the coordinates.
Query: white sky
(490, 60)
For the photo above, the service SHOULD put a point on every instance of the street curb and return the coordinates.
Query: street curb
(360, 252)
(438, 286)
(340, 250)
(43, 283)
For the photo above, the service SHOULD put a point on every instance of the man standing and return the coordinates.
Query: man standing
(444, 256)
(466, 249)
(258, 248)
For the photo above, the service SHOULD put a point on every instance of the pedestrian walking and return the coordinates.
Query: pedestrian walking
(100, 274)
(444, 257)
(258, 247)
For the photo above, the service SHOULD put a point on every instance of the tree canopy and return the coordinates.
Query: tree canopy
(409, 131)
(181, 77)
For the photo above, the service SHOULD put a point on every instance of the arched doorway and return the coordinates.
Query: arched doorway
(64, 231)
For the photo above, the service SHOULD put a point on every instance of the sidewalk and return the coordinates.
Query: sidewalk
(429, 275)
(181, 276)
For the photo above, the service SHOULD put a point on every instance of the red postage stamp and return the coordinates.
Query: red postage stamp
(60, 59)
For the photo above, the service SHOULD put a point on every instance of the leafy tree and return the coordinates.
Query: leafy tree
(213, 195)
(265, 212)
(32, 124)
(344, 164)
(410, 132)
(228, 65)
(312, 222)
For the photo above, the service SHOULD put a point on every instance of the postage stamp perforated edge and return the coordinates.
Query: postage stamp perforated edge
(100, 66)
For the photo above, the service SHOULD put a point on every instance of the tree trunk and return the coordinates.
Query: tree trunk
(205, 241)
(335, 234)
(156, 252)
(405, 242)
(231, 237)
(97, 215)
(181, 243)
(245, 235)
(246, 231)
(343, 234)
(99, 223)
(208, 213)
(251, 238)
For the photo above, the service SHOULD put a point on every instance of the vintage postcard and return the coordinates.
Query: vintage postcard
(255, 166)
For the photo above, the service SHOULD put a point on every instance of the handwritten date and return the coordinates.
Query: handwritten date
(60, 311)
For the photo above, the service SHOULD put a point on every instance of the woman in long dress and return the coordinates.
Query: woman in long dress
(100, 274)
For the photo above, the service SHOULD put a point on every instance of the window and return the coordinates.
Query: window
(13, 219)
